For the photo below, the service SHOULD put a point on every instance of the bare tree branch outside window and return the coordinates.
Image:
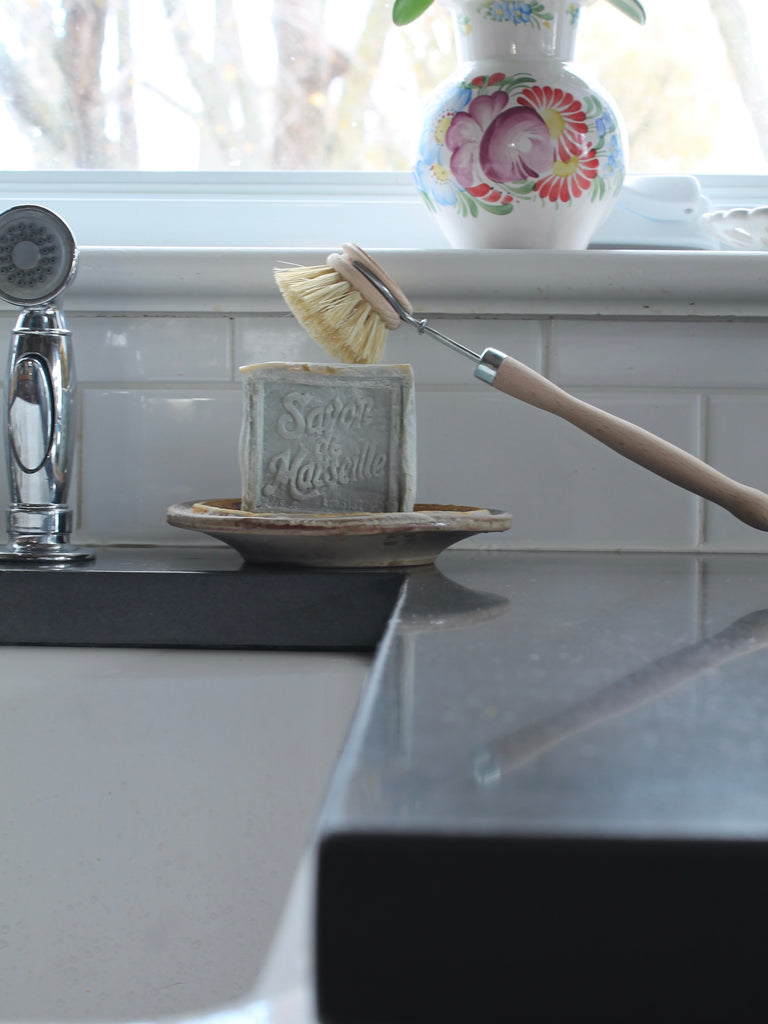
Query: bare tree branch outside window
(268, 84)
(746, 63)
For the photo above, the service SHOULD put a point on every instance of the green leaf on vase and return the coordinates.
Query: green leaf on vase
(633, 8)
(406, 11)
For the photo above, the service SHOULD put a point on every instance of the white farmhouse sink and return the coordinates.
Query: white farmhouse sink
(154, 805)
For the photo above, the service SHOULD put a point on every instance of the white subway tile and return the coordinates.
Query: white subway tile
(564, 489)
(275, 339)
(146, 450)
(643, 354)
(124, 349)
(736, 426)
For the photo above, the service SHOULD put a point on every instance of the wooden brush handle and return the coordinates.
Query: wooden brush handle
(631, 441)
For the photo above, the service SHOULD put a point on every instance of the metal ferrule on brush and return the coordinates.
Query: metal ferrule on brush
(489, 364)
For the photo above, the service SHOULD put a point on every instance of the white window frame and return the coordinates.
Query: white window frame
(379, 210)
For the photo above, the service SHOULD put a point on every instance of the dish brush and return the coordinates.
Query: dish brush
(349, 304)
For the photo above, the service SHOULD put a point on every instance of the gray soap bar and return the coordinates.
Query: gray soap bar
(328, 438)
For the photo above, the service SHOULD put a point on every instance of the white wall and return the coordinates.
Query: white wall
(161, 396)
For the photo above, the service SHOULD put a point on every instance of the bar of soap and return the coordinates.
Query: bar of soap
(328, 438)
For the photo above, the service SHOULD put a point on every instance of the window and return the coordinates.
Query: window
(183, 98)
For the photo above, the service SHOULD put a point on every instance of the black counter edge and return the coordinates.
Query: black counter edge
(290, 609)
(413, 927)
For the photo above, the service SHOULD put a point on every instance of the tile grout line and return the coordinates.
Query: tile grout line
(78, 476)
(698, 599)
(232, 346)
(545, 347)
(701, 440)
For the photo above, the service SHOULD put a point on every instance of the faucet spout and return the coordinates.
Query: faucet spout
(40, 394)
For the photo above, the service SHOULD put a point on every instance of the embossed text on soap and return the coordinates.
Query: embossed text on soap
(321, 439)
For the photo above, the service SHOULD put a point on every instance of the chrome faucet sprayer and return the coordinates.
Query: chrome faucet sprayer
(38, 259)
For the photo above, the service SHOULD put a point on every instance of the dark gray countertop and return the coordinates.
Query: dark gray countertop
(555, 794)
(193, 597)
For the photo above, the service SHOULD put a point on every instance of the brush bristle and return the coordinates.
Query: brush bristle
(334, 313)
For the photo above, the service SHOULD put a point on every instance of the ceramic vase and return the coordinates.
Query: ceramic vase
(517, 150)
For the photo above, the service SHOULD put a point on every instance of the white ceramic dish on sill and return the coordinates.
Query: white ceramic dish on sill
(740, 228)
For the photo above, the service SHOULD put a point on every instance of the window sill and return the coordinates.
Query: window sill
(534, 283)
(321, 209)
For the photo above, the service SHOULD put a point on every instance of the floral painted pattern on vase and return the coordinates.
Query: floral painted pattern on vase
(499, 140)
(518, 12)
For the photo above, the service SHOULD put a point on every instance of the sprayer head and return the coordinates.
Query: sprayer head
(38, 256)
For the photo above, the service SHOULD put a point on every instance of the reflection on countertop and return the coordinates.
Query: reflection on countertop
(504, 754)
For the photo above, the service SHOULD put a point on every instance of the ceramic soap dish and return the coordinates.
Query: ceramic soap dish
(348, 540)
(742, 229)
